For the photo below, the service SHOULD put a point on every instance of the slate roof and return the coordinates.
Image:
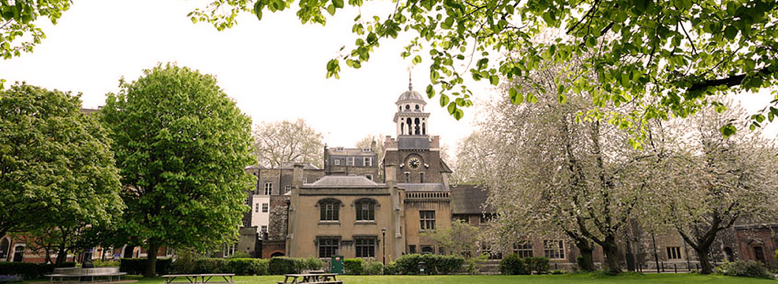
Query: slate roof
(469, 199)
(422, 186)
(342, 182)
(290, 165)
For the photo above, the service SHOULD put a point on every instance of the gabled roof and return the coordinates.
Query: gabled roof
(342, 182)
(469, 199)
(290, 165)
(444, 167)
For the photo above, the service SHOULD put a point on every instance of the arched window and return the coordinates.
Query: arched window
(329, 209)
(365, 209)
(5, 246)
(418, 131)
(427, 250)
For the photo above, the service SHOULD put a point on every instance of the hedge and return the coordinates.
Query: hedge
(247, 266)
(539, 265)
(138, 265)
(281, 266)
(512, 264)
(434, 264)
(30, 270)
(353, 266)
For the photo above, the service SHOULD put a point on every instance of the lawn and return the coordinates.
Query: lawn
(498, 279)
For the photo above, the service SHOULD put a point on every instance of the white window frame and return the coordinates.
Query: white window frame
(336, 162)
(552, 246)
(268, 188)
(367, 161)
(265, 207)
(256, 207)
(350, 161)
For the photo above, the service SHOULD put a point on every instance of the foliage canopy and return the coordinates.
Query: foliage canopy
(182, 147)
(18, 32)
(54, 161)
(667, 57)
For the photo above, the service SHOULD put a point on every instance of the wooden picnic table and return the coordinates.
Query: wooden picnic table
(199, 278)
(323, 278)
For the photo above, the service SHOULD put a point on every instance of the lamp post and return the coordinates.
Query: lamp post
(383, 242)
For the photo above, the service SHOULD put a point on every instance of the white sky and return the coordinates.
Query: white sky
(274, 68)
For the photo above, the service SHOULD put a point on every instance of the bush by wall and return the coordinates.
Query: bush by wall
(747, 268)
(512, 264)
(281, 266)
(434, 264)
(391, 268)
(373, 267)
(105, 263)
(30, 270)
(539, 265)
(247, 266)
(138, 265)
(311, 263)
(353, 266)
(210, 265)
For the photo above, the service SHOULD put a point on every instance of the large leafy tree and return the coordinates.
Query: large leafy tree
(669, 56)
(55, 162)
(18, 32)
(181, 145)
(286, 141)
(712, 182)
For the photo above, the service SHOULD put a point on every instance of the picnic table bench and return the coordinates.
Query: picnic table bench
(87, 274)
(318, 278)
(199, 278)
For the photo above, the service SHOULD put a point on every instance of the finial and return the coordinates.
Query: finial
(410, 84)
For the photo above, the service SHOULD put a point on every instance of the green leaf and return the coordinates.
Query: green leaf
(443, 100)
(494, 80)
(728, 130)
(562, 99)
(257, 10)
(331, 9)
(730, 32)
(452, 108)
(337, 3)
(430, 91)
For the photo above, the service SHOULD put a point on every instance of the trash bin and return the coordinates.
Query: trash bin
(336, 264)
(422, 268)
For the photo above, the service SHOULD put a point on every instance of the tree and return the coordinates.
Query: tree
(669, 56)
(552, 171)
(286, 141)
(54, 161)
(460, 239)
(713, 181)
(18, 32)
(181, 145)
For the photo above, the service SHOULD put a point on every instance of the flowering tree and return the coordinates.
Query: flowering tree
(713, 181)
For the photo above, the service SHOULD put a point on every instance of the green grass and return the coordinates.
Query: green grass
(499, 279)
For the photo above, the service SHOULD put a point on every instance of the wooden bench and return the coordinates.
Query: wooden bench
(199, 278)
(87, 274)
(311, 278)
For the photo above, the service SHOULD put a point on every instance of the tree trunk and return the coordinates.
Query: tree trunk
(62, 255)
(586, 251)
(151, 260)
(705, 265)
(612, 257)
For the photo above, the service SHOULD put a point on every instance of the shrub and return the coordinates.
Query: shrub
(513, 265)
(240, 254)
(281, 266)
(435, 264)
(747, 268)
(10, 278)
(105, 263)
(138, 265)
(391, 268)
(373, 267)
(539, 265)
(311, 263)
(353, 266)
(446, 264)
(185, 261)
(247, 266)
(210, 265)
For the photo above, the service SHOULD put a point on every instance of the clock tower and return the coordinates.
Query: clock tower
(415, 153)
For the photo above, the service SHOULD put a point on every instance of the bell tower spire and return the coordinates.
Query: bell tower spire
(410, 117)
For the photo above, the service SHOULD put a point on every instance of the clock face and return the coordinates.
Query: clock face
(413, 162)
